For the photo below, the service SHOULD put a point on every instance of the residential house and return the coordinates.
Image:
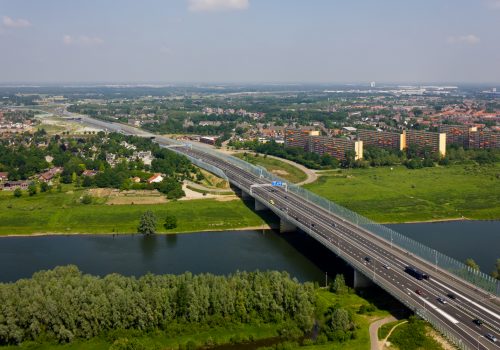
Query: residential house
(155, 178)
(12, 185)
(89, 173)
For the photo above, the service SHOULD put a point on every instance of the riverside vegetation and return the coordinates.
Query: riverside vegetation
(65, 306)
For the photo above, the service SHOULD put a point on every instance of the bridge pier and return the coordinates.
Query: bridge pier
(259, 206)
(360, 280)
(245, 195)
(286, 226)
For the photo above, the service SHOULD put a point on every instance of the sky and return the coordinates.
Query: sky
(274, 41)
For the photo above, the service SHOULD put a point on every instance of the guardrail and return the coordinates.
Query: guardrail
(430, 255)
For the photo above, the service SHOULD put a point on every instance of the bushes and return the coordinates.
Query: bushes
(63, 304)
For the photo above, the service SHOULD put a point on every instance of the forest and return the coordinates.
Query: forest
(64, 304)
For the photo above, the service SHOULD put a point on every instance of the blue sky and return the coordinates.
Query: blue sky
(249, 41)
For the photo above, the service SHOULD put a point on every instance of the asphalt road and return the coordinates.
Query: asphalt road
(354, 244)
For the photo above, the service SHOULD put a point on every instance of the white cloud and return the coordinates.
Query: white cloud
(217, 5)
(82, 40)
(9, 22)
(469, 39)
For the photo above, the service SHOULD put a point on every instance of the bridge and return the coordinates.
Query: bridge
(451, 299)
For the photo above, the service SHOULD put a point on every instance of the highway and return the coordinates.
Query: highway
(377, 258)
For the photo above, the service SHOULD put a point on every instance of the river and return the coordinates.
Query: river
(226, 252)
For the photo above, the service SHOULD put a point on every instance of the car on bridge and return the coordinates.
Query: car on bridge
(271, 201)
(491, 337)
(477, 322)
(442, 301)
(368, 259)
(419, 292)
(451, 296)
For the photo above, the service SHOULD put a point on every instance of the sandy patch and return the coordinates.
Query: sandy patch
(280, 172)
(117, 197)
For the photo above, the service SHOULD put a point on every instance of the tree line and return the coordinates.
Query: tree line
(64, 304)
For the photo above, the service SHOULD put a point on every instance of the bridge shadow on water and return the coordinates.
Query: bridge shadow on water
(328, 262)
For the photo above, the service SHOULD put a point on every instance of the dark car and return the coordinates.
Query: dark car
(368, 259)
(478, 322)
(419, 292)
(451, 296)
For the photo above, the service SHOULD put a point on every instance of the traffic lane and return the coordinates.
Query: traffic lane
(399, 278)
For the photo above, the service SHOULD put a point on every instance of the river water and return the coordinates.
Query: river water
(226, 252)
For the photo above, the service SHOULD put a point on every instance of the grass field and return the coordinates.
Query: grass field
(275, 166)
(392, 195)
(63, 213)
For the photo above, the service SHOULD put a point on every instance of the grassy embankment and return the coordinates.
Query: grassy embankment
(275, 166)
(62, 212)
(226, 335)
(397, 195)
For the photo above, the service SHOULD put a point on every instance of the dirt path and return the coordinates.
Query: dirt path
(374, 326)
(384, 341)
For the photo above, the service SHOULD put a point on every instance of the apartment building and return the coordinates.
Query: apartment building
(436, 142)
(484, 139)
(311, 141)
(457, 134)
(382, 139)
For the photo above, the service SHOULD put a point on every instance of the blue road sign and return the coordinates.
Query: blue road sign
(277, 183)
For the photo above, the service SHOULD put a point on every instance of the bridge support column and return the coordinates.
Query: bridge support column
(245, 195)
(286, 226)
(259, 206)
(360, 280)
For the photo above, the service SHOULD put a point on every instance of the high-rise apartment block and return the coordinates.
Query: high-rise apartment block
(435, 142)
(382, 139)
(311, 141)
(470, 137)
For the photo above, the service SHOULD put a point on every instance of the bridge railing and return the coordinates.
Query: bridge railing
(432, 256)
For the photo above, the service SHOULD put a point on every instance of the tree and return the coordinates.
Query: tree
(147, 224)
(496, 273)
(86, 199)
(44, 187)
(32, 189)
(338, 286)
(472, 264)
(87, 181)
(170, 222)
(18, 193)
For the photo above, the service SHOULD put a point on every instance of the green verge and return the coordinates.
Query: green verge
(394, 195)
(62, 212)
(275, 166)
(352, 303)
(413, 335)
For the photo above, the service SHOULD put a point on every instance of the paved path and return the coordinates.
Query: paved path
(374, 326)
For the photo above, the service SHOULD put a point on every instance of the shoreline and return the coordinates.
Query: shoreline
(46, 234)
(247, 228)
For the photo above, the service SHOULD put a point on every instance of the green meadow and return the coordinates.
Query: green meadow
(398, 194)
(62, 212)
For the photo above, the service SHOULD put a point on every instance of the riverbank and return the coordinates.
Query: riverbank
(63, 213)
(400, 195)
